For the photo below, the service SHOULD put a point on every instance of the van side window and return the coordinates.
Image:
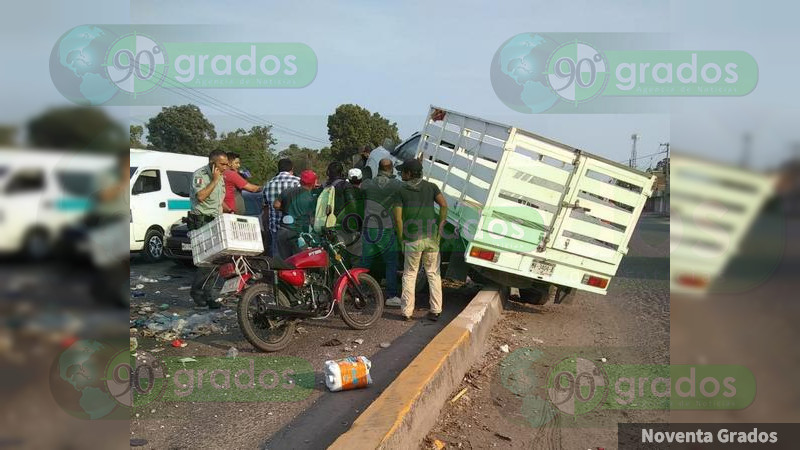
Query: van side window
(179, 182)
(148, 181)
(28, 180)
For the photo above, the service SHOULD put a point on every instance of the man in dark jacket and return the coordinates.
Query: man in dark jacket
(378, 237)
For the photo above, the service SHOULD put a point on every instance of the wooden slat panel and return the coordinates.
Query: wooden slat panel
(539, 169)
(544, 148)
(587, 250)
(609, 191)
(484, 173)
(606, 212)
(532, 191)
(595, 231)
(524, 212)
(477, 193)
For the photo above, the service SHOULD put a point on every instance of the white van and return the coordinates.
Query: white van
(160, 184)
(42, 192)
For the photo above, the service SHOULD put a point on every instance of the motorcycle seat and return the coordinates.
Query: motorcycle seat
(274, 263)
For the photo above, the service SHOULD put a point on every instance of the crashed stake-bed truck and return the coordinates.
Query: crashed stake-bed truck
(528, 212)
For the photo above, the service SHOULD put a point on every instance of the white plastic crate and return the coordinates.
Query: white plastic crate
(106, 243)
(228, 234)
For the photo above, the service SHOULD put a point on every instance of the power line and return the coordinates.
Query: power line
(202, 97)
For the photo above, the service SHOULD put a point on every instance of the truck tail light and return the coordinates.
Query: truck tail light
(692, 281)
(227, 270)
(592, 280)
(482, 253)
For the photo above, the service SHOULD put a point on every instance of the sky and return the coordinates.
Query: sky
(398, 58)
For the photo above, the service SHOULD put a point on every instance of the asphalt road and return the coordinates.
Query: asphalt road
(309, 422)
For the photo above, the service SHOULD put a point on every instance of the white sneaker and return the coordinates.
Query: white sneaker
(393, 302)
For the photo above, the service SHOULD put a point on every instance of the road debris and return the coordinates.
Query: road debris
(144, 279)
(357, 369)
(134, 344)
(332, 343)
(504, 348)
(385, 344)
(458, 396)
(178, 343)
(503, 437)
(232, 353)
(358, 341)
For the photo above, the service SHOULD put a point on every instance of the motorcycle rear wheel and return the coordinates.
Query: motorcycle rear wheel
(363, 316)
(280, 330)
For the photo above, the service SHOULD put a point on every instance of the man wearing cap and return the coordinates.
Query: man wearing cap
(300, 204)
(272, 191)
(418, 229)
(378, 237)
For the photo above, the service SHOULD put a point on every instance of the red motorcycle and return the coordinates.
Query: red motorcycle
(274, 294)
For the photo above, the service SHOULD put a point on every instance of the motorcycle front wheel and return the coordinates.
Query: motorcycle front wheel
(361, 312)
(266, 332)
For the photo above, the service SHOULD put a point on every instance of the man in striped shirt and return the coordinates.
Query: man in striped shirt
(272, 191)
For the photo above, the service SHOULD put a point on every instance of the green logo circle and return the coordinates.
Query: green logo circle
(577, 386)
(577, 72)
(136, 64)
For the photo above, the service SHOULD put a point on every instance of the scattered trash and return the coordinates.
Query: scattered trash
(438, 444)
(603, 360)
(156, 350)
(186, 360)
(177, 343)
(232, 353)
(300, 330)
(152, 411)
(138, 286)
(537, 341)
(504, 348)
(165, 278)
(158, 292)
(184, 288)
(137, 294)
(332, 343)
(347, 349)
(385, 344)
(520, 328)
(144, 279)
(458, 396)
(503, 437)
(134, 344)
(358, 341)
(163, 306)
(138, 442)
(347, 373)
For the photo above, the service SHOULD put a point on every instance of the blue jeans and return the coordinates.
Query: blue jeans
(381, 243)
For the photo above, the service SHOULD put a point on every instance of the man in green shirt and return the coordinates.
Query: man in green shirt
(418, 229)
(206, 196)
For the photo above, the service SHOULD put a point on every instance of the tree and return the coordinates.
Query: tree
(307, 158)
(76, 128)
(7, 135)
(351, 127)
(136, 136)
(255, 148)
(181, 129)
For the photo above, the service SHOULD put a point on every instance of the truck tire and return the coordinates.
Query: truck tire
(37, 245)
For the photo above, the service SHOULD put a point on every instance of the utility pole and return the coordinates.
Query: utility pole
(632, 163)
(747, 142)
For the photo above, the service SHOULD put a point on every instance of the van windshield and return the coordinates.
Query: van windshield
(79, 184)
(133, 170)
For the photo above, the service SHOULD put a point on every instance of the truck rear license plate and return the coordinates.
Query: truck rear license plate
(542, 268)
(186, 246)
(231, 285)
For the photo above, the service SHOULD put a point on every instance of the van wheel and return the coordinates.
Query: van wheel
(37, 245)
(153, 246)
